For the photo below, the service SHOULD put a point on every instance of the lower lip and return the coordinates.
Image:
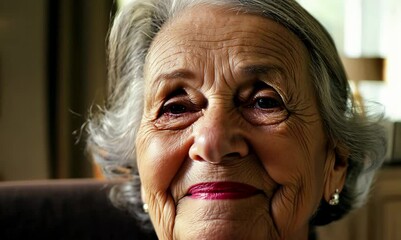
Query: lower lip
(222, 191)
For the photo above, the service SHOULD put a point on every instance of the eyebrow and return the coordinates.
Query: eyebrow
(260, 69)
(177, 74)
(268, 70)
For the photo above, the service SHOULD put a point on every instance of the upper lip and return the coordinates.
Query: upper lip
(222, 190)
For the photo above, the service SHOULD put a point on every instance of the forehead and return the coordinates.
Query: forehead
(205, 33)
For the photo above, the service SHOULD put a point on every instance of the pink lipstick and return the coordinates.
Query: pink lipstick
(222, 190)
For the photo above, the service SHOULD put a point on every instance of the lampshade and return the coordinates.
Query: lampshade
(364, 68)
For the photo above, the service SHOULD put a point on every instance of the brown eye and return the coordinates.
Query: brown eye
(175, 109)
(178, 111)
(266, 100)
(177, 103)
(267, 103)
(265, 107)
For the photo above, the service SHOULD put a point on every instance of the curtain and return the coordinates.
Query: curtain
(77, 33)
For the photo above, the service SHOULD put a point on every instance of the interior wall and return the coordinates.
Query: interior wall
(23, 108)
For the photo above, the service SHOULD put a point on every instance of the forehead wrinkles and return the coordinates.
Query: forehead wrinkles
(178, 43)
(280, 48)
(168, 49)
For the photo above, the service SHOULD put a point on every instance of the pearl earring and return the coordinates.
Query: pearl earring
(335, 198)
(145, 207)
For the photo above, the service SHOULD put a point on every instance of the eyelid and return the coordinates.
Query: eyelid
(265, 91)
(175, 98)
(168, 120)
(258, 91)
(179, 100)
(191, 101)
(269, 94)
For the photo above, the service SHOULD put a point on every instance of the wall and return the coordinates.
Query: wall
(23, 109)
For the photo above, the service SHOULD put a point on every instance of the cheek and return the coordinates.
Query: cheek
(287, 162)
(159, 156)
(293, 154)
(297, 166)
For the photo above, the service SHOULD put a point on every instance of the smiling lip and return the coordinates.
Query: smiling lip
(222, 190)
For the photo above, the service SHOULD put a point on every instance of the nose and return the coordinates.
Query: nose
(218, 136)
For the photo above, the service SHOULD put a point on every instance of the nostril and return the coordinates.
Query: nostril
(194, 153)
(233, 155)
(197, 158)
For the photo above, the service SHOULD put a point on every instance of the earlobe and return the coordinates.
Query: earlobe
(143, 197)
(336, 171)
(145, 206)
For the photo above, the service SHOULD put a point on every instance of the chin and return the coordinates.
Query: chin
(228, 229)
(224, 219)
(225, 232)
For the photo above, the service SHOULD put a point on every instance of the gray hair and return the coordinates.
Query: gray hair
(112, 131)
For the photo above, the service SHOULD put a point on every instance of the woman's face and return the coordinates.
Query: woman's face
(231, 144)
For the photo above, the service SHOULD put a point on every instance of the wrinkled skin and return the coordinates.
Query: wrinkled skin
(228, 97)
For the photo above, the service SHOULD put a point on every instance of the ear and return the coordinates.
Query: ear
(335, 169)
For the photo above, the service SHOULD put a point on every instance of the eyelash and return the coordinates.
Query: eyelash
(274, 102)
(274, 112)
(178, 112)
(169, 108)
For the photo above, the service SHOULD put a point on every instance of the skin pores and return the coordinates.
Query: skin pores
(229, 100)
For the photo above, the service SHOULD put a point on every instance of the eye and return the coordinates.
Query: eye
(179, 110)
(267, 103)
(174, 108)
(264, 107)
(176, 103)
(266, 100)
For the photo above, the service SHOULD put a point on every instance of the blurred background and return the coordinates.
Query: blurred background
(53, 70)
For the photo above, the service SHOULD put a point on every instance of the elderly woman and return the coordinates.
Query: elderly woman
(231, 119)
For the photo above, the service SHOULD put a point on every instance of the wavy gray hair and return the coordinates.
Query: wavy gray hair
(112, 131)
